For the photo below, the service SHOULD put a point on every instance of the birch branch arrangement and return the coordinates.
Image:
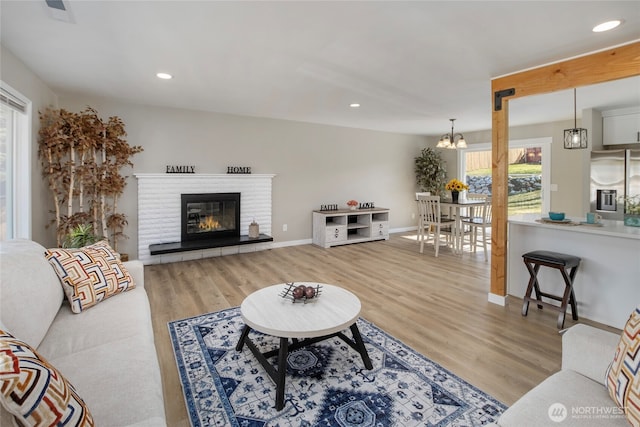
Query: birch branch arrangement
(82, 157)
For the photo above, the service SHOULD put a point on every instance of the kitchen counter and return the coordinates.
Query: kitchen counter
(608, 228)
(607, 285)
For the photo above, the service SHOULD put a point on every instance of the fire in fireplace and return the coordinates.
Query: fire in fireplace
(210, 216)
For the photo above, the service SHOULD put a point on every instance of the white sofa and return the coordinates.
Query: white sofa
(107, 352)
(579, 386)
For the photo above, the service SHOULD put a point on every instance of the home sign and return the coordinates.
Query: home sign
(239, 169)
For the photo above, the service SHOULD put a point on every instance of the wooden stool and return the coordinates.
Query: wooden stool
(568, 266)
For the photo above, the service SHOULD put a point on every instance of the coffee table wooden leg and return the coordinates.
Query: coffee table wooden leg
(243, 336)
(360, 346)
(282, 372)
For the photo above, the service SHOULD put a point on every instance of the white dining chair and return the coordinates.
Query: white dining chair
(430, 221)
(418, 194)
(473, 197)
(481, 220)
(476, 196)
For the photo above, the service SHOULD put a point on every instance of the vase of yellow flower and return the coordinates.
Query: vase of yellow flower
(456, 186)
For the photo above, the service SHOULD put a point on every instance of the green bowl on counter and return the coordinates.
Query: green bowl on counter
(556, 216)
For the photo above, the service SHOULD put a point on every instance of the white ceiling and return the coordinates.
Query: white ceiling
(412, 65)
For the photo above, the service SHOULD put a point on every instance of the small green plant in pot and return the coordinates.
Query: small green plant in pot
(631, 210)
(79, 236)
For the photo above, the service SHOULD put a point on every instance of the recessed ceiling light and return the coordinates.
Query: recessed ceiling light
(165, 76)
(354, 105)
(606, 26)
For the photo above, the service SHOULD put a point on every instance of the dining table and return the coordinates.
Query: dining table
(455, 210)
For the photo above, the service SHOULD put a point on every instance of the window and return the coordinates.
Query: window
(15, 168)
(528, 173)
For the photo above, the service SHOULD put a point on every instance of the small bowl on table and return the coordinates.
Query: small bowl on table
(556, 216)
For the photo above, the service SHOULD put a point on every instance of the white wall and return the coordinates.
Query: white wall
(314, 164)
(19, 77)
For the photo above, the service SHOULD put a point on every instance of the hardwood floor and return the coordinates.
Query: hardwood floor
(437, 306)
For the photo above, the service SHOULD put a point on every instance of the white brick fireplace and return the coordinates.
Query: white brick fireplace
(159, 209)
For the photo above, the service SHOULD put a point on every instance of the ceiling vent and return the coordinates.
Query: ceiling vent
(59, 10)
(56, 4)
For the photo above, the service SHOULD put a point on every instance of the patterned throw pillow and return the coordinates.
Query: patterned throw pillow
(90, 274)
(35, 392)
(623, 379)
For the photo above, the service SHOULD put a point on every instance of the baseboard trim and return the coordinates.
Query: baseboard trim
(286, 243)
(403, 229)
(498, 299)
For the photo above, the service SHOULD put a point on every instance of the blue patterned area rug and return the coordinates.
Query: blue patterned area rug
(326, 383)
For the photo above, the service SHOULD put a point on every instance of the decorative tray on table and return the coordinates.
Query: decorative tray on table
(301, 293)
(592, 224)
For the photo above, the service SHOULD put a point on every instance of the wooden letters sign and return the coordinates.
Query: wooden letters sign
(181, 169)
(239, 169)
(329, 207)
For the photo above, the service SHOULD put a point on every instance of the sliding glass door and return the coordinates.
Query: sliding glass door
(15, 166)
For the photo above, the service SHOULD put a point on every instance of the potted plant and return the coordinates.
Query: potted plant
(631, 210)
(431, 171)
(82, 157)
(79, 236)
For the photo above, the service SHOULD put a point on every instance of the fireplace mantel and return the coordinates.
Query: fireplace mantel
(159, 209)
(204, 175)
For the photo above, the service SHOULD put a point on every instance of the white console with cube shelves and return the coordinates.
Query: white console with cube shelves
(345, 226)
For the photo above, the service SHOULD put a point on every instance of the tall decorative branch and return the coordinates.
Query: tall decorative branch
(82, 157)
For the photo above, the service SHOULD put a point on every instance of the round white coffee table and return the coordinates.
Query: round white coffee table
(265, 311)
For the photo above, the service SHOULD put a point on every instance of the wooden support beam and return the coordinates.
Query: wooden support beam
(499, 200)
(599, 67)
(612, 64)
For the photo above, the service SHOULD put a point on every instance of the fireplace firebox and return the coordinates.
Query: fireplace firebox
(209, 216)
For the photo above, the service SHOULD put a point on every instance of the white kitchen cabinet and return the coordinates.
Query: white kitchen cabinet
(621, 126)
(341, 227)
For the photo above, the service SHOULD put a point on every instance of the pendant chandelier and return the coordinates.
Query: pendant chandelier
(576, 137)
(448, 140)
